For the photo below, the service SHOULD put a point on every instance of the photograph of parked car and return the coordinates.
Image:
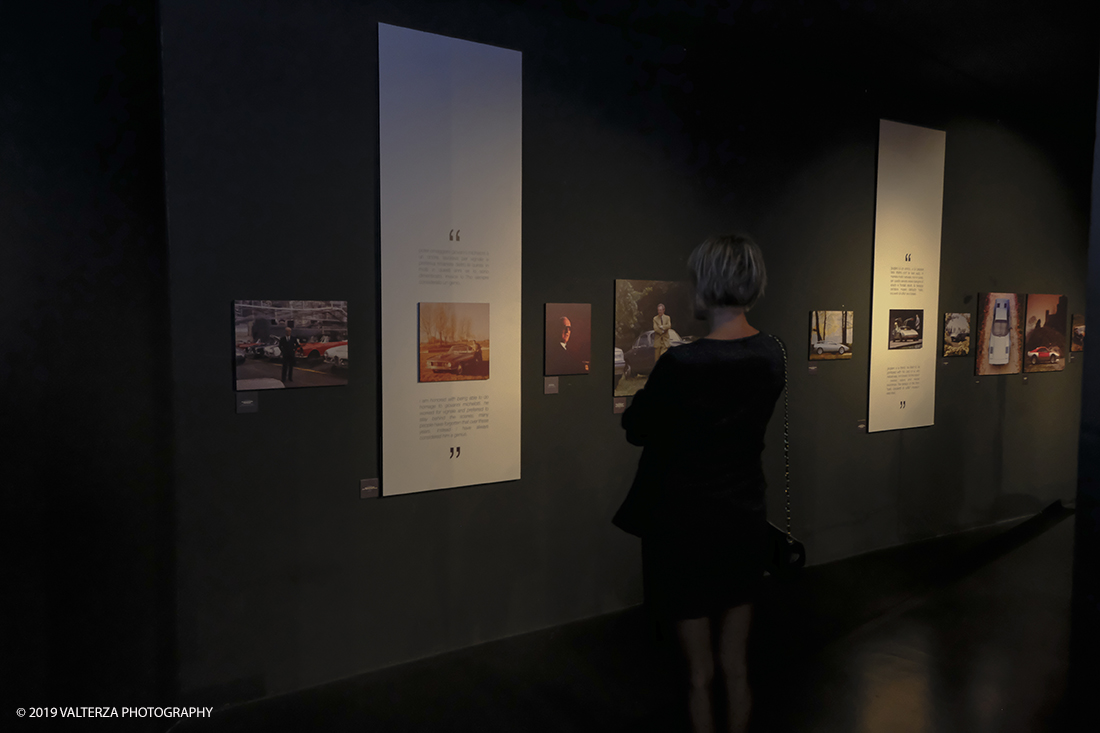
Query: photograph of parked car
(651, 317)
(906, 329)
(454, 341)
(337, 356)
(956, 334)
(1077, 334)
(314, 350)
(282, 343)
(620, 364)
(272, 351)
(999, 340)
(831, 334)
(568, 348)
(1045, 332)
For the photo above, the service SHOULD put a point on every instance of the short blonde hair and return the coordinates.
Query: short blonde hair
(728, 270)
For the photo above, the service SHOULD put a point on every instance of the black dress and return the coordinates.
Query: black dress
(698, 498)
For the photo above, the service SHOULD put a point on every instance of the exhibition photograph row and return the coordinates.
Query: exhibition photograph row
(1016, 333)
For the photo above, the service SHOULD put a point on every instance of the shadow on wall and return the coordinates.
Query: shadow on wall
(1011, 506)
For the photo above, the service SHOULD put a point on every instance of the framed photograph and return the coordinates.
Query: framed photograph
(998, 347)
(956, 334)
(568, 338)
(831, 335)
(1077, 335)
(454, 342)
(906, 329)
(1045, 330)
(280, 344)
(651, 317)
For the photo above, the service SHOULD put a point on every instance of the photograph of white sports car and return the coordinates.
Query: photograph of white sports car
(998, 337)
(831, 334)
(906, 329)
(999, 340)
(830, 347)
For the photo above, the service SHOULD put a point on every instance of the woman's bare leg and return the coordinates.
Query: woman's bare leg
(694, 638)
(733, 637)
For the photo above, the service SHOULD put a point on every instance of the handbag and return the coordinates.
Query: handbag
(783, 554)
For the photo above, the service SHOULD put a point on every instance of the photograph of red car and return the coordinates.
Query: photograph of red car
(454, 342)
(1045, 333)
(281, 344)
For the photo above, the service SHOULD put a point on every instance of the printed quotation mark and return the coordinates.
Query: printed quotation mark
(456, 452)
(902, 405)
(454, 235)
(908, 258)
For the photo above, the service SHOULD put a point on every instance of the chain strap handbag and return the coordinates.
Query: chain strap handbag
(783, 553)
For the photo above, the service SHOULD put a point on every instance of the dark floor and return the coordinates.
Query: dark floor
(962, 633)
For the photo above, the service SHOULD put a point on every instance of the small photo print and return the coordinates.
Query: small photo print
(906, 329)
(568, 338)
(997, 346)
(1045, 333)
(956, 334)
(454, 342)
(290, 343)
(1077, 335)
(831, 335)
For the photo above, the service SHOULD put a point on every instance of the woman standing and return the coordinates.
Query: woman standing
(698, 498)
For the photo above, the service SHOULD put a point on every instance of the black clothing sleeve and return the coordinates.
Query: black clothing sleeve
(651, 407)
(701, 420)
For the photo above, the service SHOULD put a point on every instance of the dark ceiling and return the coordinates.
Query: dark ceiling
(1030, 50)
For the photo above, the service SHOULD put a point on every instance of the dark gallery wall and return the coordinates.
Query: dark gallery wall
(1085, 635)
(641, 136)
(85, 370)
